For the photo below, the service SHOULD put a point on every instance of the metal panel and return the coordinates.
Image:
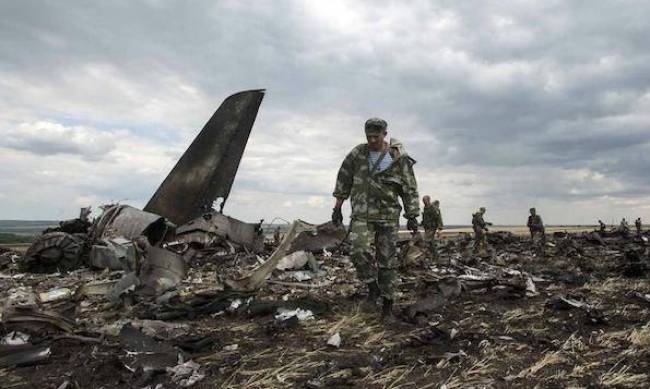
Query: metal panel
(207, 169)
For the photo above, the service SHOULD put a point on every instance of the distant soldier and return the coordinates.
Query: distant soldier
(624, 228)
(536, 227)
(602, 226)
(480, 228)
(432, 223)
(373, 175)
(276, 236)
(638, 225)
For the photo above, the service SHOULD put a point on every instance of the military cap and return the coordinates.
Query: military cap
(532, 209)
(482, 209)
(375, 125)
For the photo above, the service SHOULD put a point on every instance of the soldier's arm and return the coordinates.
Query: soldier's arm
(344, 179)
(409, 194)
(440, 225)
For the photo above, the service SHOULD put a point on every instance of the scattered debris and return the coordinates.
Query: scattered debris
(54, 251)
(186, 374)
(25, 354)
(335, 340)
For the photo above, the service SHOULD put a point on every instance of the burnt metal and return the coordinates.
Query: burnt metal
(130, 223)
(207, 169)
(54, 251)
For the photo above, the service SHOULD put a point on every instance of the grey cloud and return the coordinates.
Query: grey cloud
(500, 89)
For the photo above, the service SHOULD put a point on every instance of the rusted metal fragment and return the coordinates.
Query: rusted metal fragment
(130, 223)
(207, 169)
(54, 251)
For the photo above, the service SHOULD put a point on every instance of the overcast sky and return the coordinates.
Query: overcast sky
(503, 104)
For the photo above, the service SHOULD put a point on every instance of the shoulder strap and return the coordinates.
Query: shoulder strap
(376, 165)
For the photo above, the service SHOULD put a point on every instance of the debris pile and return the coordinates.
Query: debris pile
(171, 319)
(181, 295)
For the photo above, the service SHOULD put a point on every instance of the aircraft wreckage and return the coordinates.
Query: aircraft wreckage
(155, 245)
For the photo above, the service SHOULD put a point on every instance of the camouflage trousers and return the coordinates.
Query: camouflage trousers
(538, 239)
(381, 267)
(431, 239)
(538, 236)
(480, 241)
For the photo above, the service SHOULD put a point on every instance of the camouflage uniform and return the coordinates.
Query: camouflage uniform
(536, 227)
(480, 227)
(432, 222)
(376, 210)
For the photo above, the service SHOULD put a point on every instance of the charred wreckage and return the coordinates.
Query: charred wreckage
(130, 298)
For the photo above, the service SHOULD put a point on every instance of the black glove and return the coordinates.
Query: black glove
(337, 216)
(412, 224)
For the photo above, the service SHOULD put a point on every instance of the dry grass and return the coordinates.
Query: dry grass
(622, 378)
(549, 359)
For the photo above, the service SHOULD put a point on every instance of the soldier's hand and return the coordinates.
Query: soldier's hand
(337, 216)
(412, 224)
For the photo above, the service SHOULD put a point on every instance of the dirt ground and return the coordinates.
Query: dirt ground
(494, 334)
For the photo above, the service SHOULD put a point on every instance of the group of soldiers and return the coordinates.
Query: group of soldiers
(624, 227)
(373, 176)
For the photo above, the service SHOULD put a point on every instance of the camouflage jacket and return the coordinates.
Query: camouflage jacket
(431, 218)
(535, 223)
(478, 223)
(373, 197)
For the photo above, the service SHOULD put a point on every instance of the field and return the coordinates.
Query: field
(464, 321)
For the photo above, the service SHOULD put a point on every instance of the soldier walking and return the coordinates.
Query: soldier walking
(638, 225)
(432, 223)
(373, 175)
(480, 228)
(536, 227)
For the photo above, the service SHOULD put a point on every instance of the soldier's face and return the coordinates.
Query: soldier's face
(375, 140)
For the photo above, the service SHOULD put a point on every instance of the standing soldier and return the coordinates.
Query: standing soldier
(432, 223)
(638, 225)
(373, 175)
(602, 226)
(480, 228)
(536, 227)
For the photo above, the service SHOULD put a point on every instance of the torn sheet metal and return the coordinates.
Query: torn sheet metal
(130, 223)
(211, 226)
(207, 169)
(161, 270)
(257, 277)
(54, 251)
(317, 238)
(114, 254)
(29, 318)
(25, 354)
(145, 352)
